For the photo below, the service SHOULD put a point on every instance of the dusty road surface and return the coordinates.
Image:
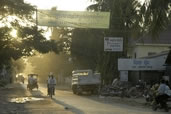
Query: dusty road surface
(89, 104)
(14, 99)
(17, 100)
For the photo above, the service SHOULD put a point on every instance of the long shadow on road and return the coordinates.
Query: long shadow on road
(67, 106)
(39, 93)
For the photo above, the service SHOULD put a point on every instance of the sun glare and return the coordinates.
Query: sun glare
(73, 5)
(47, 34)
(70, 5)
(13, 33)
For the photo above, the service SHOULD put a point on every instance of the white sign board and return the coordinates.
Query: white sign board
(76, 19)
(124, 76)
(141, 64)
(113, 44)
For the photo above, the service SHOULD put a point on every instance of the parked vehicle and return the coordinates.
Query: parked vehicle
(34, 83)
(117, 88)
(85, 81)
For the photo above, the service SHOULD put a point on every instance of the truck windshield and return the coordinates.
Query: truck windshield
(81, 73)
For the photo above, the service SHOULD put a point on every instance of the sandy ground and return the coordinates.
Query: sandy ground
(14, 99)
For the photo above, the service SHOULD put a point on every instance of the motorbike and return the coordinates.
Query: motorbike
(162, 105)
(109, 90)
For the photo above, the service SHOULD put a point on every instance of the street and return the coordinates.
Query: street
(16, 99)
(91, 104)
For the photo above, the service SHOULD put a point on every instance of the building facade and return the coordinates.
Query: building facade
(147, 58)
(146, 45)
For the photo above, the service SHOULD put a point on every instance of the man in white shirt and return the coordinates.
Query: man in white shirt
(48, 82)
(52, 83)
(162, 96)
(167, 89)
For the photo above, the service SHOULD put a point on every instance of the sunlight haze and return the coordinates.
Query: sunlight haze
(71, 5)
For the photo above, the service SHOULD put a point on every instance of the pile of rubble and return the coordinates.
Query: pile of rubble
(124, 89)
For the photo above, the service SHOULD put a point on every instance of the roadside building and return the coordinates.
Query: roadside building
(149, 69)
(146, 45)
(147, 57)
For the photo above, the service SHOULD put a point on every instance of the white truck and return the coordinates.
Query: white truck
(85, 81)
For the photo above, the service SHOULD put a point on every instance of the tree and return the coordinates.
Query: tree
(86, 47)
(157, 16)
(17, 15)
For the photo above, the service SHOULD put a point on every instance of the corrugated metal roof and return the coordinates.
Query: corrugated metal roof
(156, 55)
(168, 60)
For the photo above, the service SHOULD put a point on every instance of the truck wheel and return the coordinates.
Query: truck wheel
(74, 91)
(95, 92)
(78, 93)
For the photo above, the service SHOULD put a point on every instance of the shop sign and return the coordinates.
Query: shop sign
(141, 64)
(114, 44)
(75, 19)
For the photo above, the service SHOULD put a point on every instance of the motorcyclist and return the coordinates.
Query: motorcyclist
(48, 81)
(30, 80)
(162, 96)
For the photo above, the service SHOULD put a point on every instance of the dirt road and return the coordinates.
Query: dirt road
(14, 99)
(92, 104)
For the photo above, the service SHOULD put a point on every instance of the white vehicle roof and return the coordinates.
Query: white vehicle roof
(82, 72)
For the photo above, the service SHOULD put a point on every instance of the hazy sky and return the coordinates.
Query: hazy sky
(73, 5)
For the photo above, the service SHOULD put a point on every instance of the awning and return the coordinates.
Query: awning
(168, 59)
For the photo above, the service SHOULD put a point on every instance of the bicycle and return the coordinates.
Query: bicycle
(51, 90)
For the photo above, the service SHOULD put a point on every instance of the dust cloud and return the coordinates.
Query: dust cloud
(43, 64)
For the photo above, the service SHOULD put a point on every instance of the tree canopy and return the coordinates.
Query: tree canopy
(18, 15)
(157, 15)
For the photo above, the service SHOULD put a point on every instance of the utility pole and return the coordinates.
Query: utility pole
(36, 23)
(36, 17)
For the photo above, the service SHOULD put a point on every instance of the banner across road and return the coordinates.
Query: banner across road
(75, 19)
